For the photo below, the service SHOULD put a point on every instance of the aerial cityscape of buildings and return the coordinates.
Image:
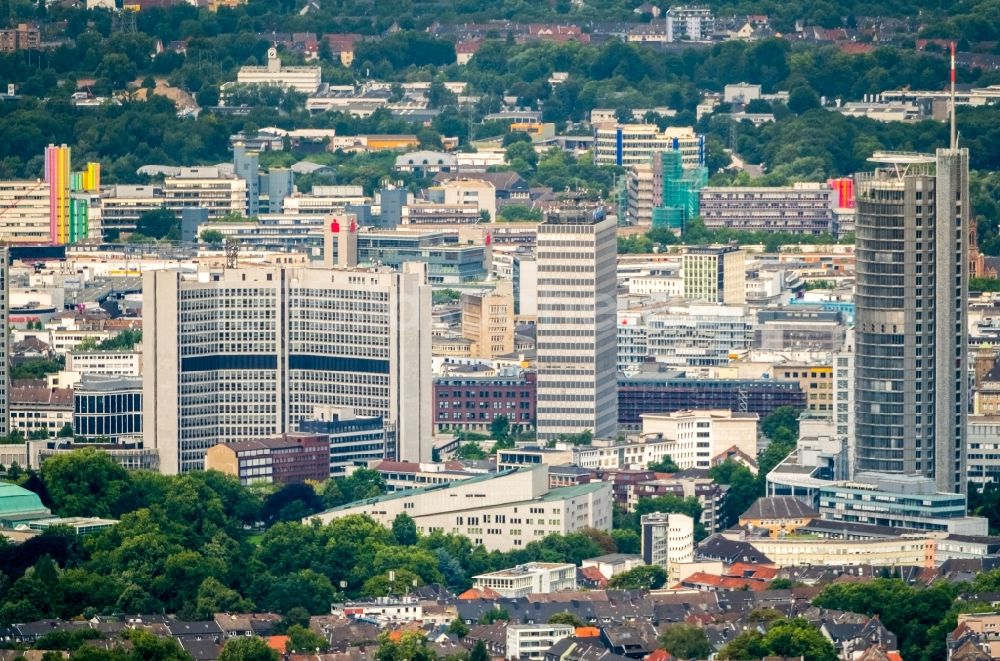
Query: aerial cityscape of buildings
(558, 385)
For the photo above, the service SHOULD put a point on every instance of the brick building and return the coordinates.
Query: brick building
(288, 459)
(471, 403)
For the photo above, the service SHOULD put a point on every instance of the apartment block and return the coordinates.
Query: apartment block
(899, 501)
(695, 437)
(816, 382)
(251, 352)
(626, 145)
(25, 216)
(301, 79)
(205, 188)
(800, 328)
(689, 24)
(502, 511)
(529, 578)
(715, 273)
(38, 408)
(683, 335)
(105, 363)
(532, 641)
(709, 494)
(354, 440)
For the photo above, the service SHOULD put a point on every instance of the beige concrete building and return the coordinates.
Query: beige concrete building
(792, 551)
(816, 382)
(469, 192)
(488, 320)
(715, 273)
(301, 79)
(205, 188)
(694, 437)
(502, 511)
(24, 212)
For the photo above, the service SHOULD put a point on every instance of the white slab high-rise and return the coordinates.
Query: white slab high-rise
(246, 353)
(576, 334)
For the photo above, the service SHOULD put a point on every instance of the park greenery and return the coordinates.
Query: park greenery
(201, 543)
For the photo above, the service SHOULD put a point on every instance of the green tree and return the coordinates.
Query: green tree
(470, 451)
(665, 465)
(494, 615)
(404, 529)
(212, 236)
(566, 617)
(801, 99)
(247, 649)
(686, 641)
(644, 577)
(500, 428)
(626, 541)
(87, 482)
(785, 638)
(458, 628)
(66, 431)
(157, 224)
(301, 639)
(410, 646)
(479, 652)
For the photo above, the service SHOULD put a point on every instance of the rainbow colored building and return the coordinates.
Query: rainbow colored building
(69, 213)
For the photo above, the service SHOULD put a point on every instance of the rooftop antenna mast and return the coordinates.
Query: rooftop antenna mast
(954, 134)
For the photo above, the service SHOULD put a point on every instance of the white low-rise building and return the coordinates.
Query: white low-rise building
(301, 79)
(529, 578)
(502, 511)
(694, 437)
(384, 610)
(613, 563)
(532, 641)
(108, 363)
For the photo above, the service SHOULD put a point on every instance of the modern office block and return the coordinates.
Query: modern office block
(107, 408)
(577, 356)
(250, 352)
(715, 273)
(910, 377)
(805, 208)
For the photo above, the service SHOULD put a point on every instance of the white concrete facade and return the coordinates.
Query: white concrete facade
(249, 352)
(694, 437)
(529, 578)
(577, 307)
(502, 511)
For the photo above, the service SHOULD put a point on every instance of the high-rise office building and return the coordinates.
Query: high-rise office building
(4, 348)
(715, 273)
(912, 282)
(249, 352)
(577, 307)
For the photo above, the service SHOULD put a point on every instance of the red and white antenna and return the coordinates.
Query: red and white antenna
(954, 134)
